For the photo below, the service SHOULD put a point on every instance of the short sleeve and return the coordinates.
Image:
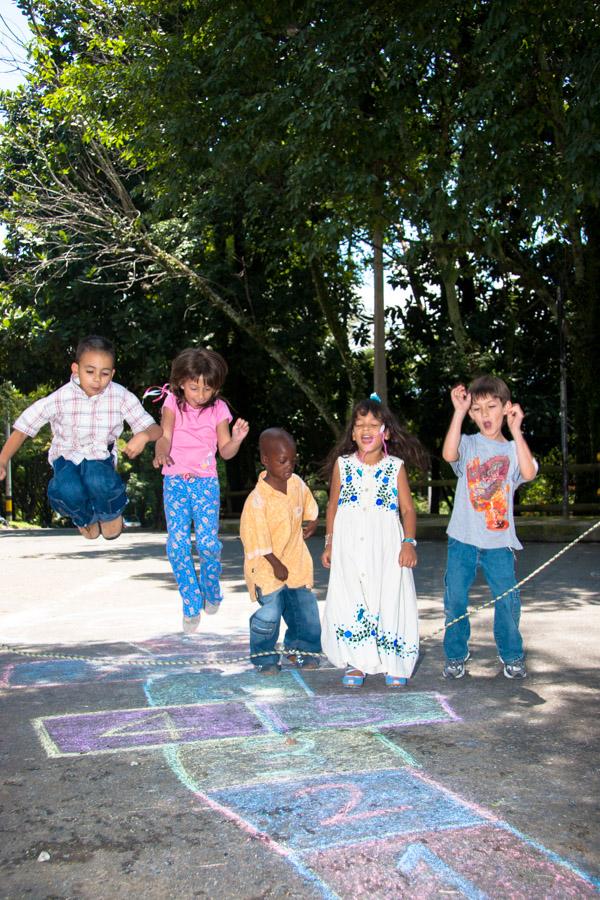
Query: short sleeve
(310, 509)
(222, 412)
(35, 416)
(170, 402)
(458, 466)
(254, 529)
(134, 413)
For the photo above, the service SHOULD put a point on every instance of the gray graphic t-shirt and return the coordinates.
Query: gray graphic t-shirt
(488, 475)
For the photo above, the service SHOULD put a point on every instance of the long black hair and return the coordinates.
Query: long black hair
(400, 442)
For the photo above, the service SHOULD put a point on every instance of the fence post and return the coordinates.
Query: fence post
(8, 507)
(564, 439)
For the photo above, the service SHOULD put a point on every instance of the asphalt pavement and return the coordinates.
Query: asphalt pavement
(138, 761)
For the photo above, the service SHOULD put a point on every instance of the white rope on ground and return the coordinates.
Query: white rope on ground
(146, 662)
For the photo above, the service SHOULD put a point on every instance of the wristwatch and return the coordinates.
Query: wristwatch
(409, 541)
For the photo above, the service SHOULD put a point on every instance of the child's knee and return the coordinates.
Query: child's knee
(262, 627)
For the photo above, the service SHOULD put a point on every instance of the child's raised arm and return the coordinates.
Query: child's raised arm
(162, 448)
(408, 551)
(527, 464)
(461, 401)
(332, 506)
(16, 439)
(229, 444)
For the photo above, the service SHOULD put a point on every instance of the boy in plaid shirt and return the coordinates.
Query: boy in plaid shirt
(86, 417)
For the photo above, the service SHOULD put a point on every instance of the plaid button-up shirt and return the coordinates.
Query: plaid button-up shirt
(84, 427)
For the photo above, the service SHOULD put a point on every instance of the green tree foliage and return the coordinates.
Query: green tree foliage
(202, 172)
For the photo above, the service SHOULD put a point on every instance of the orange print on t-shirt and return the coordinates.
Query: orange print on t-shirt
(488, 490)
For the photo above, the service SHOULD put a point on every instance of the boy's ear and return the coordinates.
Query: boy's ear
(74, 368)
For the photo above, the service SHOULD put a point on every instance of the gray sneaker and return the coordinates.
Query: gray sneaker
(190, 623)
(515, 669)
(454, 668)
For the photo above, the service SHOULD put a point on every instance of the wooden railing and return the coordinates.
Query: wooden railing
(232, 501)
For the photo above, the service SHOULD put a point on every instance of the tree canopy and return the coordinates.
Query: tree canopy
(216, 173)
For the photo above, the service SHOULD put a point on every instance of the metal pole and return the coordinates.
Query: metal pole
(564, 436)
(8, 507)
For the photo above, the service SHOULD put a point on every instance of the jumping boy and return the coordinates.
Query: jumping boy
(482, 530)
(277, 565)
(86, 417)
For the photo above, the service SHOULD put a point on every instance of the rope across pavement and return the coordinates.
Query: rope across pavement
(195, 662)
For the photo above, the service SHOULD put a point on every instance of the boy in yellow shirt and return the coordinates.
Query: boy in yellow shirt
(277, 564)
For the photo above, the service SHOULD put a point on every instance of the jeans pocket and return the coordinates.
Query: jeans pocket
(262, 629)
(258, 594)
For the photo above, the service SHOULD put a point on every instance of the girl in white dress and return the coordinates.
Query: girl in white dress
(371, 621)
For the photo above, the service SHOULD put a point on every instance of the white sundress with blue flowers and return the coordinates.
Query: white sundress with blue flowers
(371, 619)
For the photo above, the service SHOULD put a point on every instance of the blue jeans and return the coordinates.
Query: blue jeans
(194, 500)
(86, 492)
(498, 567)
(298, 607)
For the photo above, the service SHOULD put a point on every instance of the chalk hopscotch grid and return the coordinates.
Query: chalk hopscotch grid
(301, 859)
(110, 731)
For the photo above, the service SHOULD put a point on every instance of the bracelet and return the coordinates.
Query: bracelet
(409, 541)
(328, 539)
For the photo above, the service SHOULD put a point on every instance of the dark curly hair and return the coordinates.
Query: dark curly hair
(193, 363)
(400, 443)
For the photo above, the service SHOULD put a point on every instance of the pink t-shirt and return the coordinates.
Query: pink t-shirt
(194, 444)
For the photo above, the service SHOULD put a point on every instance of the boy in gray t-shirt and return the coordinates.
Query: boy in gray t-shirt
(482, 528)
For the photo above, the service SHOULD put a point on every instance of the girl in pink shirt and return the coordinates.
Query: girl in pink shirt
(195, 423)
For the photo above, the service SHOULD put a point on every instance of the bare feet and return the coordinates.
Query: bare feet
(91, 532)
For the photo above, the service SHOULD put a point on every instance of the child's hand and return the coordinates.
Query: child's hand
(135, 446)
(279, 570)
(2, 471)
(461, 400)
(514, 418)
(161, 454)
(326, 557)
(308, 529)
(408, 556)
(240, 430)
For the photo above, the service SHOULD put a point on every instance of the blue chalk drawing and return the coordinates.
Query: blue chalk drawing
(334, 711)
(206, 687)
(416, 853)
(54, 672)
(334, 810)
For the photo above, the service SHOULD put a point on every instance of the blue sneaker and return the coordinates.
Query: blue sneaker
(515, 669)
(454, 668)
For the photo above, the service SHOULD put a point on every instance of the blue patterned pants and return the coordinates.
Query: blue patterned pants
(194, 500)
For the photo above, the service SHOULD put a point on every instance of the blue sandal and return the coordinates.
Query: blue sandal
(395, 681)
(353, 677)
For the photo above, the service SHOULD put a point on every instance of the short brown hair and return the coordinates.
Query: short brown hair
(489, 386)
(95, 343)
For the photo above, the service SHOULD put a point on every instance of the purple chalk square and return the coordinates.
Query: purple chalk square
(392, 710)
(125, 729)
(333, 810)
(485, 861)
